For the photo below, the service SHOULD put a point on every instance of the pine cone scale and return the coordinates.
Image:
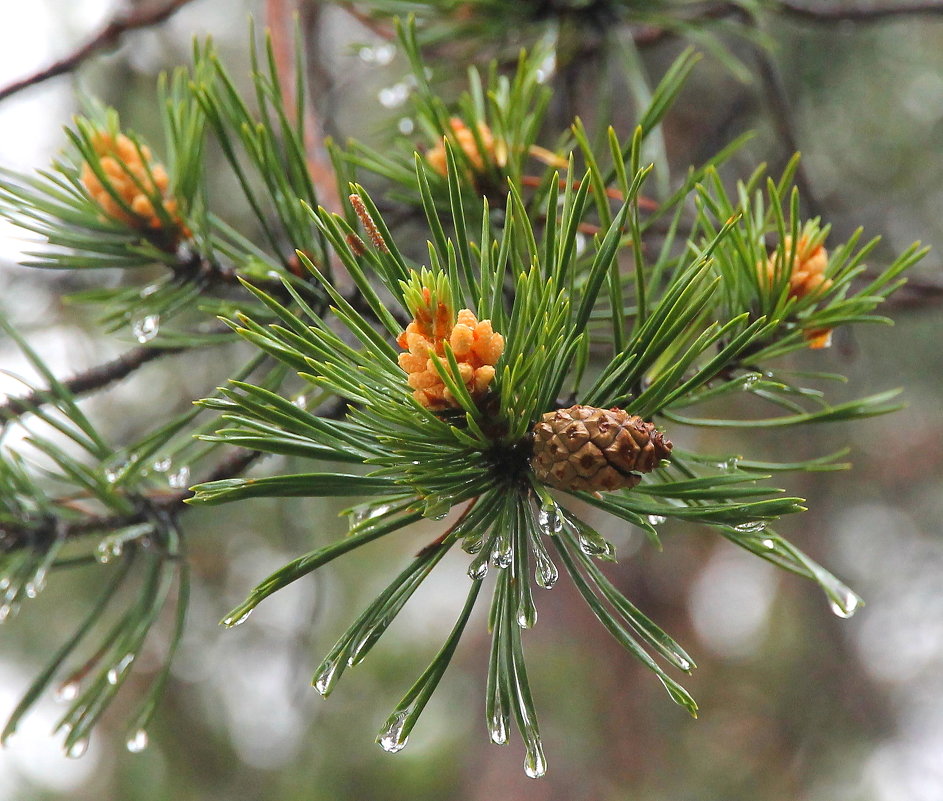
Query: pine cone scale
(590, 449)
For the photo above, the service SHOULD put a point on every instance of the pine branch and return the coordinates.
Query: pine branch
(14, 538)
(108, 37)
(95, 378)
(834, 12)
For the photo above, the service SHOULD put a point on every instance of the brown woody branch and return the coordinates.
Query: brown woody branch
(107, 38)
(15, 537)
(95, 378)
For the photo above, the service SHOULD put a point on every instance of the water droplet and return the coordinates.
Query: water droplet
(594, 545)
(535, 765)
(325, 677)
(149, 290)
(683, 663)
(115, 673)
(546, 573)
(384, 53)
(501, 555)
(753, 527)
(498, 730)
(749, 381)
(392, 740)
(846, 605)
(393, 96)
(406, 126)
(301, 401)
(232, 620)
(180, 479)
(549, 520)
(478, 569)
(366, 512)
(137, 742)
(77, 749)
(472, 543)
(4, 583)
(67, 691)
(162, 465)
(108, 550)
(546, 68)
(146, 328)
(114, 472)
(8, 611)
(729, 465)
(527, 616)
(768, 543)
(657, 520)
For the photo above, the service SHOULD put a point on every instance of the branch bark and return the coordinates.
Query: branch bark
(16, 537)
(108, 37)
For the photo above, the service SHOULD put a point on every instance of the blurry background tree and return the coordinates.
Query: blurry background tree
(795, 703)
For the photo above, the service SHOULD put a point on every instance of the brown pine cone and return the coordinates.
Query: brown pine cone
(585, 448)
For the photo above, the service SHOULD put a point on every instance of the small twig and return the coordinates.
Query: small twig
(645, 203)
(778, 103)
(94, 378)
(833, 12)
(280, 16)
(374, 26)
(824, 13)
(105, 39)
(15, 537)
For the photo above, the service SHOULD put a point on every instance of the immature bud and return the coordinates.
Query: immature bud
(475, 345)
(806, 271)
(595, 450)
(469, 146)
(131, 183)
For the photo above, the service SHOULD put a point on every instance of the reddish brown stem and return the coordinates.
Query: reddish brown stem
(644, 203)
(106, 38)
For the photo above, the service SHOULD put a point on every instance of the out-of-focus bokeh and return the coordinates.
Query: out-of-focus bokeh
(797, 704)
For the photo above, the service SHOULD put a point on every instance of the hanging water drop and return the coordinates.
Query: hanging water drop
(478, 569)
(67, 691)
(546, 573)
(232, 620)
(108, 550)
(137, 742)
(657, 520)
(501, 555)
(115, 673)
(146, 328)
(77, 749)
(393, 96)
(768, 543)
(753, 527)
(180, 479)
(535, 765)
(594, 545)
(384, 53)
(406, 126)
(162, 465)
(392, 740)
(546, 69)
(683, 663)
(749, 381)
(301, 401)
(549, 520)
(324, 679)
(497, 729)
(847, 605)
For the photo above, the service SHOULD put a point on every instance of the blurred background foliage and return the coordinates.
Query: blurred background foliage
(796, 703)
